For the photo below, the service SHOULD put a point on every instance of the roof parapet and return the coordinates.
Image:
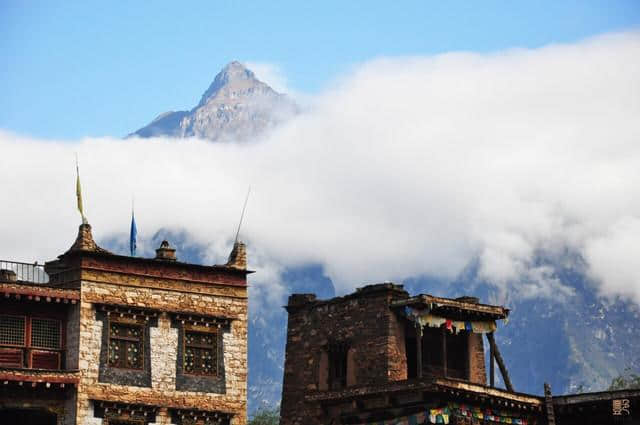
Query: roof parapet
(238, 257)
(381, 287)
(447, 307)
(166, 252)
(84, 241)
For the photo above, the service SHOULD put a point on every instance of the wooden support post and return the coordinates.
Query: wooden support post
(492, 366)
(548, 401)
(503, 369)
(444, 351)
(418, 350)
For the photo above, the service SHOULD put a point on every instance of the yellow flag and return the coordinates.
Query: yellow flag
(79, 194)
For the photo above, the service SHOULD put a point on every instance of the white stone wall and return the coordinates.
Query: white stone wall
(164, 351)
(89, 362)
(234, 359)
(163, 355)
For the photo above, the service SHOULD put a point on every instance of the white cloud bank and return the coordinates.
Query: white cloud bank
(408, 166)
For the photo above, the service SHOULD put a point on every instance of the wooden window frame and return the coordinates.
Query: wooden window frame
(41, 348)
(27, 349)
(205, 330)
(25, 333)
(127, 322)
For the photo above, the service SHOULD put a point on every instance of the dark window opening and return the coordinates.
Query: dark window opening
(433, 352)
(30, 342)
(432, 356)
(410, 349)
(458, 355)
(338, 365)
(125, 345)
(200, 353)
(27, 416)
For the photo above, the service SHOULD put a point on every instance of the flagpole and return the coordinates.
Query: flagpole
(242, 215)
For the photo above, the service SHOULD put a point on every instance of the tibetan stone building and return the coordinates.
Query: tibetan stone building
(380, 356)
(97, 338)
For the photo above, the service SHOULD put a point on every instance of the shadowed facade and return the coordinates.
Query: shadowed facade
(380, 356)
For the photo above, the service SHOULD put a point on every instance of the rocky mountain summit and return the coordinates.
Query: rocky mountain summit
(236, 107)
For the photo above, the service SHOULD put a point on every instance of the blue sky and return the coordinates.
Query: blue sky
(76, 69)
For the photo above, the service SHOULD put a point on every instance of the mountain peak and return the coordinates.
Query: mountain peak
(234, 76)
(236, 106)
(235, 70)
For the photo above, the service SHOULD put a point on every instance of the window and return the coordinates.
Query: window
(432, 350)
(200, 353)
(338, 365)
(120, 413)
(200, 363)
(45, 333)
(458, 355)
(12, 330)
(125, 345)
(41, 350)
(125, 349)
(443, 353)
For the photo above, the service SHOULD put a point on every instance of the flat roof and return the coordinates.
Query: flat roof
(428, 383)
(453, 306)
(155, 261)
(573, 399)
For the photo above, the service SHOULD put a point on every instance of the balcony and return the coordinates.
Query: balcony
(32, 339)
(401, 398)
(30, 282)
(34, 318)
(14, 379)
(14, 271)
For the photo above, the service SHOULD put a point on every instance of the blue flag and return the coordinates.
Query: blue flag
(133, 235)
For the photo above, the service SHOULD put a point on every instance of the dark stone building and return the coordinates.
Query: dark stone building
(380, 356)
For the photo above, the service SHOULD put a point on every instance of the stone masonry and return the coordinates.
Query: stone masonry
(163, 288)
(164, 343)
(362, 320)
(364, 345)
(90, 289)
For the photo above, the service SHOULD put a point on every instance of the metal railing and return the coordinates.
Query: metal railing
(25, 272)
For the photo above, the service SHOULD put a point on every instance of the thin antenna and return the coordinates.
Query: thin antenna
(242, 215)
